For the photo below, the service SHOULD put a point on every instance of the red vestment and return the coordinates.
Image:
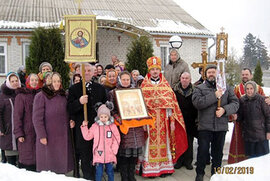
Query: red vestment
(163, 146)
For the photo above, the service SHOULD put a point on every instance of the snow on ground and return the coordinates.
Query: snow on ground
(11, 173)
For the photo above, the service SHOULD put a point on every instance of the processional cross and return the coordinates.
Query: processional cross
(204, 63)
(79, 6)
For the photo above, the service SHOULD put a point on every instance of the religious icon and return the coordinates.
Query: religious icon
(80, 38)
(80, 41)
(131, 104)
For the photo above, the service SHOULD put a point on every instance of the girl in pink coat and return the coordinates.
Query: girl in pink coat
(106, 141)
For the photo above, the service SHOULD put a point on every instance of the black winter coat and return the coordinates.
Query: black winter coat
(190, 113)
(75, 109)
(254, 114)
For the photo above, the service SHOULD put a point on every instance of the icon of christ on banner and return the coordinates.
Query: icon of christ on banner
(80, 38)
(80, 41)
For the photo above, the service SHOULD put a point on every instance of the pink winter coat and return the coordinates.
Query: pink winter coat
(106, 141)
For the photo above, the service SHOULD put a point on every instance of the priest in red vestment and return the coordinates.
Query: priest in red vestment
(167, 141)
(237, 150)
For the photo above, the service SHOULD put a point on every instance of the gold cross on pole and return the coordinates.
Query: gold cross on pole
(79, 6)
(204, 63)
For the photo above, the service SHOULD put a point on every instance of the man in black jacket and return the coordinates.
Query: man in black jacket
(213, 120)
(183, 91)
(95, 93)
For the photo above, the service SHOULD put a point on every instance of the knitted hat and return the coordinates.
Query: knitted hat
(103, 110)
(153, 62)
(43, 64)
(210, 66)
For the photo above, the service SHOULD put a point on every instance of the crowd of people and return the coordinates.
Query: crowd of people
(43, 127)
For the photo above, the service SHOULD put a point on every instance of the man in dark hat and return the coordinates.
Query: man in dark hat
(213, 120)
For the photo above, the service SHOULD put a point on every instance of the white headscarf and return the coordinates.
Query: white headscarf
(8, 81)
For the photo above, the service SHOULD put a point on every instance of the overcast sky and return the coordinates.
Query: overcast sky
(238, 17)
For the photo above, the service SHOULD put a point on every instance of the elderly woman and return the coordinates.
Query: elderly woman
(254, 116)
(51, 123)
(111, 81)
(132, 142)
(102, 79)
(43, 68)
(7, 97)
(23, 125)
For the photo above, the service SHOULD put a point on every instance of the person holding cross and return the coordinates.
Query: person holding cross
(94, 93)
(213, 120)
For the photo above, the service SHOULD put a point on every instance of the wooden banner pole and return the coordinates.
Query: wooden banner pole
(84, 92)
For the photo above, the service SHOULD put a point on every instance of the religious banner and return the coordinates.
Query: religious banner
(221, 56)
(80, 38)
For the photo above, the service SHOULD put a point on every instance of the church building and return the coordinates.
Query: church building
(118, 21)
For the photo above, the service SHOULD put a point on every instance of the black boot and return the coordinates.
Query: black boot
(3, 156)
(131, 169)
(12, 160)
(179, 163)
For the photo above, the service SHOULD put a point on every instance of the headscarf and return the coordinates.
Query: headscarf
(254, 85)
(8, 81)
(107, 83)
(27, 83)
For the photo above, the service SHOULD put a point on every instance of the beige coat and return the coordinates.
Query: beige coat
(172, 71)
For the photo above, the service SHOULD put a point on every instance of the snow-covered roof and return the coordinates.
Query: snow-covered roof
(153, 16)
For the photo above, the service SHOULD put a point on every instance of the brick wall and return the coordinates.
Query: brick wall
(112, 43)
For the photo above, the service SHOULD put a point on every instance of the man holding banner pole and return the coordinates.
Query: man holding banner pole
(80, 43)
(213, 118)
(76, 100)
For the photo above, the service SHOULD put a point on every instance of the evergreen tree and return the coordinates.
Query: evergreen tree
(232, 69)
(254, 51)
(140, 50)
(47, 46)
(249, 58)
(257, 77)
(262, 54)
